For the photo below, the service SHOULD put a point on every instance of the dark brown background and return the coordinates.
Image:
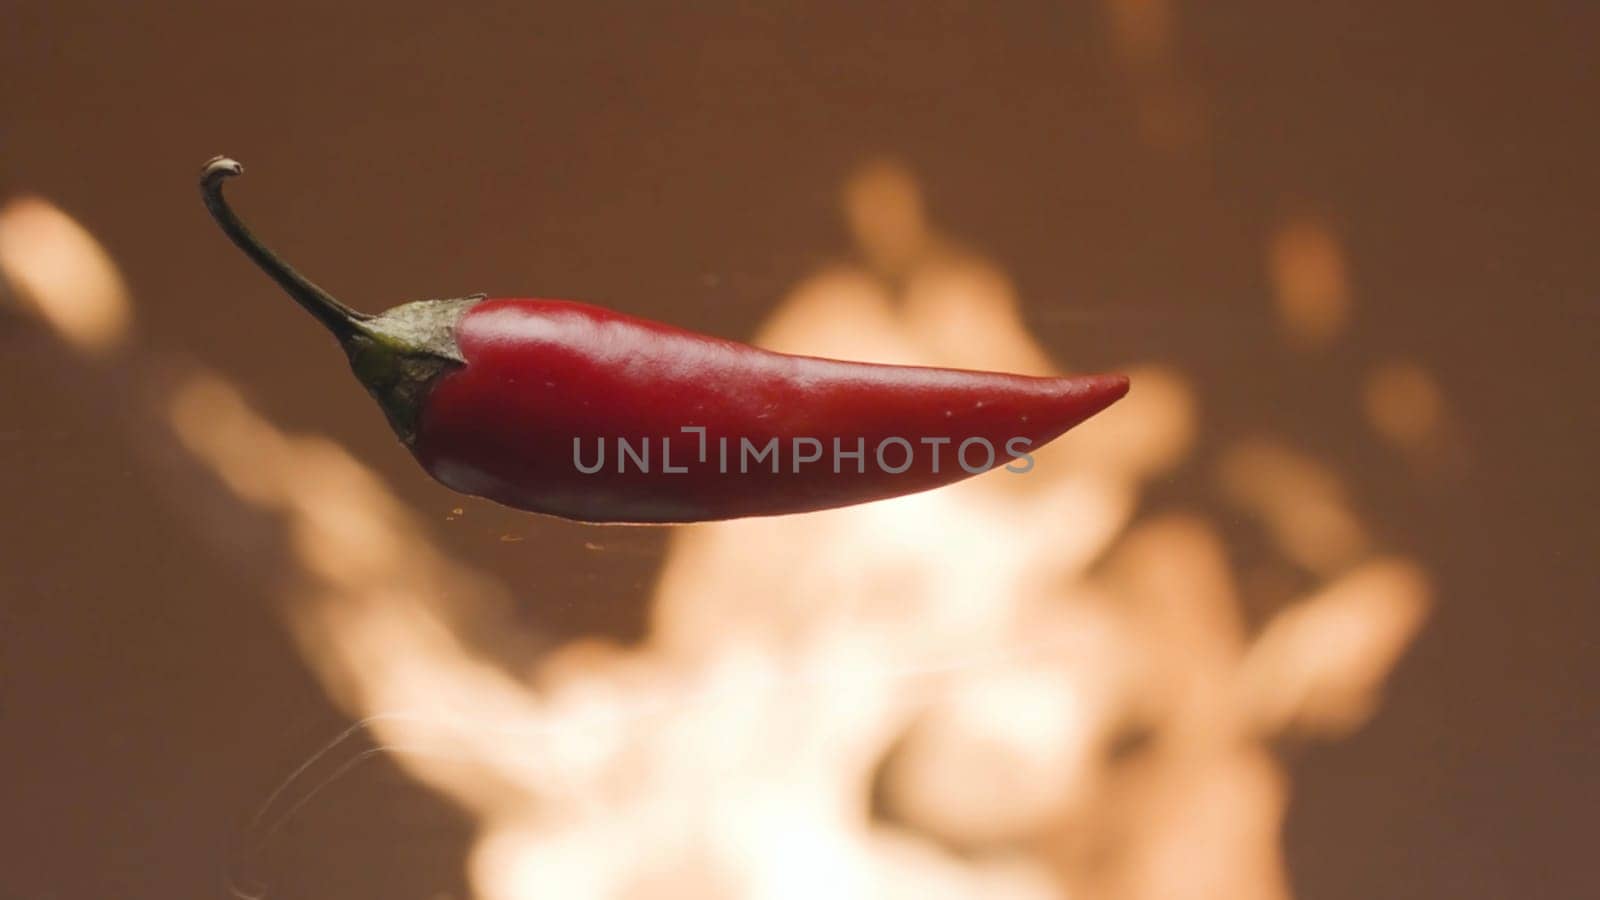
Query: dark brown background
(685, 164)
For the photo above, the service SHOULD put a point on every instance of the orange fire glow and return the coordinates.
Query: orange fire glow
(1012, 687)
(63, 275)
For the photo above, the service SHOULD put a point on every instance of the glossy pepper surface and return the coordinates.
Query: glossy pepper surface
(581, 412)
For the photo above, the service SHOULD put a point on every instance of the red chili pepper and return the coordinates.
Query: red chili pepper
(518, 400)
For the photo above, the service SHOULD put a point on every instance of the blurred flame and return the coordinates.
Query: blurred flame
(1141, 30)
(1143, 37)
(1404, 404)
(1300, 500)
(63, 275)
(883, 207)
(1310, 284)
(1014, 687)
(1318, 665)
(1011, 747)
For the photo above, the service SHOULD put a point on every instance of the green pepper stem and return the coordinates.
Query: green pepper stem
(344, 322)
